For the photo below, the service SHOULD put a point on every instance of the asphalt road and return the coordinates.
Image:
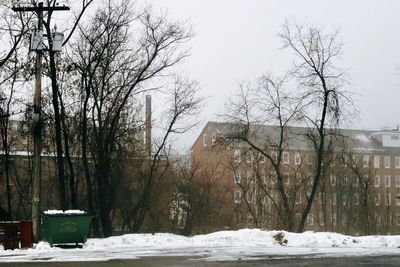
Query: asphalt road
(196, 262)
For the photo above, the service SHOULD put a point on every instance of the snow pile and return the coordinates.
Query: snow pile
(248, 238)
(244, 237)
(139, 240)
(224, 245)
(74, 212)
(55, 212)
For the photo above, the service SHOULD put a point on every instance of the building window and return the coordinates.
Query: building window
(387, 180)
(397, 162)
(344, 160)
(377, 199)
(355, 180)
(334, 218)
(309, 159)
(356, 199)
(365, 161)
(377, 180)
(333, 180)
(310, 219)
(249, 177)
(24, 140)
(334, 199)
(264, 178)
(321, 218)
(378, 219)
(332, 163)
(14, 126)
(273, 178)
(237, 177)
(387, 162)
(388, 199)
(398, 218)
(355, 161)
(398, 200)
(286, 178)
(249, 157)
(249, 196)
(344, 219)
(285, 156)
(205, 140)
(394, 137)
(345, 180)
(320, 198)
(237, 196)
(298, 198)
(397, 180)
(309, 178)
(236, 156)
(297, 158)
(377, 161)
(274, 156)
(213, 138)
(262, 159)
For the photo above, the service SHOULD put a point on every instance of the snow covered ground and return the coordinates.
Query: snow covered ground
(225, 245)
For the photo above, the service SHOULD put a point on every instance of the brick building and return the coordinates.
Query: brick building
(359, 192)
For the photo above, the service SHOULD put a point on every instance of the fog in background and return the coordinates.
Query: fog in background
(236, 40)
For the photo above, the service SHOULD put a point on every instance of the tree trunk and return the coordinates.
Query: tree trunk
(104, 206)
(104, 193)
(72, 182)
(4, 128)
(85, 162)
(320, 155)
(58, 137)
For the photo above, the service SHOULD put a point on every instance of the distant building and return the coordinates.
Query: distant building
(359, 192)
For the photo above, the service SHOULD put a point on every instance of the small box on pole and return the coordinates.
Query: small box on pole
(57, 38)
(36, 42)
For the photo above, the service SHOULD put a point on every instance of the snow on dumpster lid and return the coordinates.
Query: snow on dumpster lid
(74, 212)
(57, 212)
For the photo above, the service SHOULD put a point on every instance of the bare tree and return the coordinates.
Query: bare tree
(55, 97)
(13, 67)
(115, 65)
(268, 103)
(320, 81)
(183, 105)
(197, 198)
(13, 27)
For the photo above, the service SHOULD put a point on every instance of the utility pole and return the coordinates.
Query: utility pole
(37, 117)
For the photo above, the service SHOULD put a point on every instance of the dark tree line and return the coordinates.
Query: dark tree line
(92, 106)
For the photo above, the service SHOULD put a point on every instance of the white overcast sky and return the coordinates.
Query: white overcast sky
(236, 40)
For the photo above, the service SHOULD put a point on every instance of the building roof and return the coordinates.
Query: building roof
(297, 137)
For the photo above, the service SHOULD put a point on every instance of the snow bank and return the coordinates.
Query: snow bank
(224, 245)
(248, 238)
(158, 240)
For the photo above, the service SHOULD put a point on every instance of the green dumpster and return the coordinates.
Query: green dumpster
(65, 228)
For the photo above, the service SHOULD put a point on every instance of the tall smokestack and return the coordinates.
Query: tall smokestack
(148, 125)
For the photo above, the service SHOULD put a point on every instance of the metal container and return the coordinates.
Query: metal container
(65, 228)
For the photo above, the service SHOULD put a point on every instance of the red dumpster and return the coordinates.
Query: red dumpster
(26, 234)
(10, 236)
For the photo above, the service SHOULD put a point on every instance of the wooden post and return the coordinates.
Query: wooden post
(37, 138)
(37, 118)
